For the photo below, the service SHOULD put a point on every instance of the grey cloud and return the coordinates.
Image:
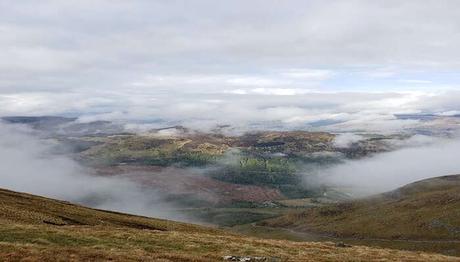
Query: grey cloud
(137, 37)
(207, 62)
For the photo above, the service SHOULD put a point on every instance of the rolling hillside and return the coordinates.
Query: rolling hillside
(424, 210)
(34, 228)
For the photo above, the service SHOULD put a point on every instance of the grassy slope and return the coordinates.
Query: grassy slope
(39, 229)
(429, 210)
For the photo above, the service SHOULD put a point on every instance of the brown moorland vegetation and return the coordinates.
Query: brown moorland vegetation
(424, 210)
(34, 228)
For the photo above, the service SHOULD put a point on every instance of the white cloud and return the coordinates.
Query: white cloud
(100, 43)
(308, 74)
(270, 91)
(388, 171)
(291, 62)
(346, 139)
(60, 177)
(264, 107)
(254, 81)
(416, 81)
(381, 73)
(450, 113)
(211, 80)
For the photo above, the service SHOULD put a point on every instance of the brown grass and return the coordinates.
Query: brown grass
(40, 229)
(426, 210)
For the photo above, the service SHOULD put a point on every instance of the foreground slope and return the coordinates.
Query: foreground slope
(425, 210)
(39, 229)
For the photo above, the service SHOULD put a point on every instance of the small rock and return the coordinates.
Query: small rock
(249, 259)
(341, 244)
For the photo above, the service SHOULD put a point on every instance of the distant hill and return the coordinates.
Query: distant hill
(39, 122)
(34, 228)
(424, 210)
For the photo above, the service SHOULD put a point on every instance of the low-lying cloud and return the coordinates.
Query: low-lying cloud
(369, 112)
(27, 165)
(388, 171)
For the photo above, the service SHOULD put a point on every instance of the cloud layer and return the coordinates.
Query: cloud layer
(387, 171)
(28, 165)
(207, 63)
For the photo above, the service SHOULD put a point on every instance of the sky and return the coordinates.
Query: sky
(207, 62)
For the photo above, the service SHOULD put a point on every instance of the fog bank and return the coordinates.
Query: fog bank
(388, 171)
(27, 165)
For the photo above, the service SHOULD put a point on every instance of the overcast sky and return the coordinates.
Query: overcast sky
(230, 61)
